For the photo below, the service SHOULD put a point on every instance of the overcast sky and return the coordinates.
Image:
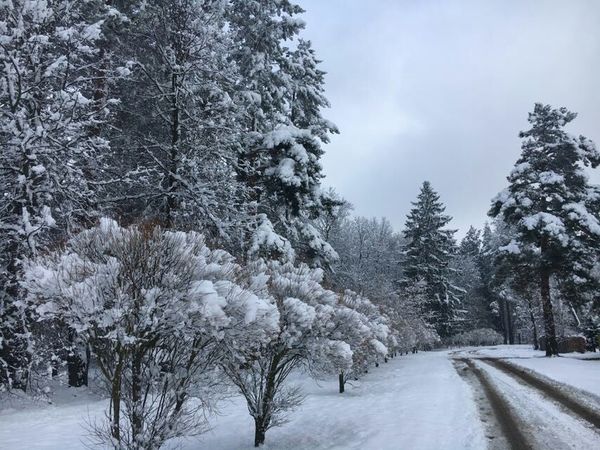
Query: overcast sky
(439, 90)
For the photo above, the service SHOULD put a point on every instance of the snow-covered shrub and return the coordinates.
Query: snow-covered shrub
(478, 337)
(156, 308)
(305, 335)
(360, 324)
(409, 325)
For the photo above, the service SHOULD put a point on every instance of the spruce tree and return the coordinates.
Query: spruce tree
(471, 243)
(177, 120)
(282, 91)
(546, 203)
(468, 275)
(428, 252)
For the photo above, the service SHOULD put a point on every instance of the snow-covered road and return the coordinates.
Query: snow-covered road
(530, 409)
(544, 422)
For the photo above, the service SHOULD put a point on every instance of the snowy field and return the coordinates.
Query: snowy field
(413, 402)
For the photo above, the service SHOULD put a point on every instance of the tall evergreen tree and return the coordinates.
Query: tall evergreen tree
(178, 120)
(471, 243)
(468, 275)
(547, 205)
(283, 94)
(429, 250)
(51, 154)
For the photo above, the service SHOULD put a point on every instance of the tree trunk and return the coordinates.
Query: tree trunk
(14, 352)
(342, 382)
(259, 432)
(261, 423)
(136, 396)
(536, 344)
(504, 321)
(54, 365)
(511, 328)
(174, 153)
(551, 344)
(76, 366)
(115, 398)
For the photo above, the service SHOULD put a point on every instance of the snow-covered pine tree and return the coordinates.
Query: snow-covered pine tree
(471, 243)
(466, 274)
(428, 252)
(50, 150)
(578, 280)
(547, 205)
(179, 118)
(282, 90)
(306, 96)
(487, 269)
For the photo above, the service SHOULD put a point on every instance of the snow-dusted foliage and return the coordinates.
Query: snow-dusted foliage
(550, 207)
(266, 243)
(213, 130)
(369, 251)
(371, 263)
(469, 272)
(477, 337)
(362, 325)
(157, 308)
(199, 124)
(305, 336)
(179, 116)
(281, 91)
(51, 153)
(410, 323)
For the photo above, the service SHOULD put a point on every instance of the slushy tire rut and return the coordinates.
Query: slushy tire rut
(508, 422)
(576, 408)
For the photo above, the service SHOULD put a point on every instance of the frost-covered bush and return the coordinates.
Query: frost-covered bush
(360, 324)
(157, 308)
(378, 335)
(305, 337)
(409, 325)
(478, 337)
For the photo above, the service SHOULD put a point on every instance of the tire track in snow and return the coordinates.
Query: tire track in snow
(548, 389)
(544, 422)
(494, 404)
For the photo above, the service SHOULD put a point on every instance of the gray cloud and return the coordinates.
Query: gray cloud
(439, 90)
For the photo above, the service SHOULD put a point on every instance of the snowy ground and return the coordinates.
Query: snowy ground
(413, 402)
